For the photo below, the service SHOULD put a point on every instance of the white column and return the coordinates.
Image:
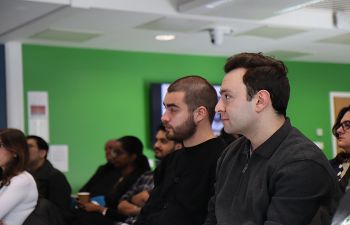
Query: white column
(14, 85)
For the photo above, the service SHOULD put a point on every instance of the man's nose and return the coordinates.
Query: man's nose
(219, 106)
(165, 117)
(156, 145)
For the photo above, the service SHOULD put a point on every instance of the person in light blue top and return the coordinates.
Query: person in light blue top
(18, 191)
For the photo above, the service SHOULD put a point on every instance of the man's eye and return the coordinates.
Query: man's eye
(171, 109)
(227, 97)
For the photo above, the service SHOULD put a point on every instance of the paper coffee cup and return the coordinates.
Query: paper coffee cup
(84, 197)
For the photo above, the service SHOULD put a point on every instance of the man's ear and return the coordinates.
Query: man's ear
(178, 146)
(42, 153)
(200, 113)
(262, 100)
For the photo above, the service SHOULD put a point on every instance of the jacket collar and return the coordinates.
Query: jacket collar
(267, 148)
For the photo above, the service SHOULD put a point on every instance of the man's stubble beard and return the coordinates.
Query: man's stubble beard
(186, 130)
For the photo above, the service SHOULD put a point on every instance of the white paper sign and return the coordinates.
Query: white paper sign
(58, 156)
(38, 114)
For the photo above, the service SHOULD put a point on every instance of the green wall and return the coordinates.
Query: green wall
(95, 95)
(309, 105)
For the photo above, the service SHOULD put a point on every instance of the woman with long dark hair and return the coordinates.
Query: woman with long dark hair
(341, 131)
(128, 157)
(18, 191)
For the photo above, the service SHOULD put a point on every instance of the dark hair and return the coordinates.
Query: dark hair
(337, 121)
(14, 141)
(161, 127)
(42, 144)
(133, 145)
(263, 73)
(198, 92)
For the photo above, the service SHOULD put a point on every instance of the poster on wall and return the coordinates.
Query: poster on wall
(38, 114)
(58, 156)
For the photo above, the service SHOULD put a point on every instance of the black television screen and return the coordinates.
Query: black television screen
(158, 91)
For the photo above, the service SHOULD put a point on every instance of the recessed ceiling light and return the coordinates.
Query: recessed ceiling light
(165, 37)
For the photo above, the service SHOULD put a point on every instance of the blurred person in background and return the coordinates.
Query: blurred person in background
(132, 163)
(52, 183)
(132, 201)
(341, 131)
(18, 191)
(102, 181)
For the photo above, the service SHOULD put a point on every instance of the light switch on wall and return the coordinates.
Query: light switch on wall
(319, 132)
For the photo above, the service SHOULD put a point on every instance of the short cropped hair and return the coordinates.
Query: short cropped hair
(198, 92)
(42, 144)
(263, 73)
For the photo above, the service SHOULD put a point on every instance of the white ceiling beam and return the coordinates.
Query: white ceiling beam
(304, 18)
(63, 2)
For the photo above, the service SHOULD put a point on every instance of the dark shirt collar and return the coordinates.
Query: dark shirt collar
(267, 148)
(44, 170)
(199, 146)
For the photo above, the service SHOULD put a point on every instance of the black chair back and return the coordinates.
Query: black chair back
(45, 213)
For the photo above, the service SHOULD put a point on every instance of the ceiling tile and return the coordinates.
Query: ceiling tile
(65, 35)
(343, 39)
(272, 32)
(283, 54)
(175, 24)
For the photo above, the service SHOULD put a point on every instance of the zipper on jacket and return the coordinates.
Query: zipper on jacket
(246, 163)
(245, 167)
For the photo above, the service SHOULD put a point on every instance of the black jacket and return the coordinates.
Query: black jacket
(45, 213)
(102, 181)
(286, 180)
(53, 186)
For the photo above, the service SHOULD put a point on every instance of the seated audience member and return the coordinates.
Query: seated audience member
(184, 180)
(273, 174)
(18, 191)
(132, 164)
(105, 176)
(133, 200)
(52, 184)
(342, 133)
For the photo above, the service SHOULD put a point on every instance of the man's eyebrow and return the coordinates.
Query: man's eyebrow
(224, 90)
(170, 105)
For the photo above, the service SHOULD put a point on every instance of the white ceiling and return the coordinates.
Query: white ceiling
(319, 32)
